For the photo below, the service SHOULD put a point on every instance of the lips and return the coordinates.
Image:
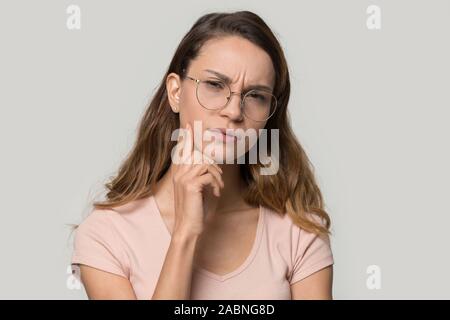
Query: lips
(226, 135)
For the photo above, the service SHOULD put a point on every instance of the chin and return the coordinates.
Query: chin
(218, 152)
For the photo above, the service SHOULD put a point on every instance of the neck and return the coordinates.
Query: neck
(230, 196)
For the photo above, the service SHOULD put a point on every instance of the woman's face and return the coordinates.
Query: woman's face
(246, 66)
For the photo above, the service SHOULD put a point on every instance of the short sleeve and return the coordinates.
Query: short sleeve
(311, 253)
(96, 244)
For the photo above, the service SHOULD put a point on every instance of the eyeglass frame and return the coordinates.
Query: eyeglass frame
(240, 94)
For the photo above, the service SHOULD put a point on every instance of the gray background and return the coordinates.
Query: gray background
(370, 108)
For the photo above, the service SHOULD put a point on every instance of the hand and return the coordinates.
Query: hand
(195, 186)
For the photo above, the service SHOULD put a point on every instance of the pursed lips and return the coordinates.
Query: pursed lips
(224, 132)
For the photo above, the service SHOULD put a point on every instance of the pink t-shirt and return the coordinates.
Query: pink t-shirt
(132, 241)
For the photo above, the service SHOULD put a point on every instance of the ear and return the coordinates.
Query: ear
(173, 88)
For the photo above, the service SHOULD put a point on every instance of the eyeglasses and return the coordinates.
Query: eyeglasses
(256, 104)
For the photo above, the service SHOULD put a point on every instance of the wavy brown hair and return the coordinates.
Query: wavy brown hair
(292, 190)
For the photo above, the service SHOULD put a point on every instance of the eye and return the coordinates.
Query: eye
(258, 96)
(214, 84)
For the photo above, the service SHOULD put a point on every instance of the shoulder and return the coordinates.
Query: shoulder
(280, 223)
(103, 238)
(283, 223)
(99, 221)
(304, 252)
(291, 239)
(98, 228)
(116, 219)
(98, 245)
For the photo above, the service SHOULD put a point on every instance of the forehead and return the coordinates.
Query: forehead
(237, 58)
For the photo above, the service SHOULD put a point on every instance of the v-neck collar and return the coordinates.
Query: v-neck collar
(242, 267)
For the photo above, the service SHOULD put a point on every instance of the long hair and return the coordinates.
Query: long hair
(292, 190)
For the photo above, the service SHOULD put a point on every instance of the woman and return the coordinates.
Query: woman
(212, 229)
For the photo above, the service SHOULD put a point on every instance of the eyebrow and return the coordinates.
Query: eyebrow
(227, 80)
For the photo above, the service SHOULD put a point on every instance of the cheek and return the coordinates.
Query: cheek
(258, 128)
(190, 109)
(193, 113)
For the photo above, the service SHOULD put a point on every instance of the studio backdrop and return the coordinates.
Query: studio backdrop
(369, 102)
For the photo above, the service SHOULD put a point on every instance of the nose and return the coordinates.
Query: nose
(233, 109)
